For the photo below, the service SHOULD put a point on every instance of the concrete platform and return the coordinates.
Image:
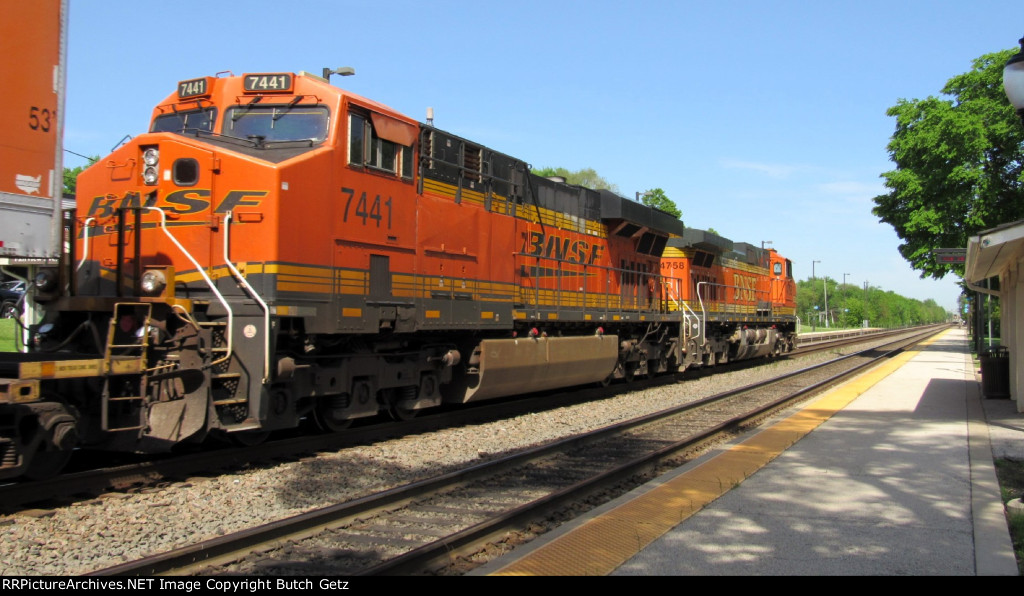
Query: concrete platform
(889, 474)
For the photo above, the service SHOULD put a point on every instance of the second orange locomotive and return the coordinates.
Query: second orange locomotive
(277, 249)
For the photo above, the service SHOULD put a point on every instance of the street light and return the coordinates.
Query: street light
(1013, 80)
(814, 277)
(824, 283)
(345, 71)
(844, 298)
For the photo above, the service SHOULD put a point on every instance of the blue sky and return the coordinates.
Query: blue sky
(764, 120)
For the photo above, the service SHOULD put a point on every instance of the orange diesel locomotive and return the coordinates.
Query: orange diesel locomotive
(276, 249)
(743, 297)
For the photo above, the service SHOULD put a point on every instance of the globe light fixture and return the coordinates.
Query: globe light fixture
(1013, 80)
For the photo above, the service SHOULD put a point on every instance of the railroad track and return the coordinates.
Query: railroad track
(428, 526)
(92, 479)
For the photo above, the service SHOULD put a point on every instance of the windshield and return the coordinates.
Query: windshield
(186, 121)
(277, 123)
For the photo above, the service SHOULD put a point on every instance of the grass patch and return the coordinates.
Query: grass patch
(1011, 486)
(8, 329)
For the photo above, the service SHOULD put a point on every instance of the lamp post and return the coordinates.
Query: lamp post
(844, 297)
(824, 283)
(814, 277)
(865, 322)
(345, 71)
(1013, 80)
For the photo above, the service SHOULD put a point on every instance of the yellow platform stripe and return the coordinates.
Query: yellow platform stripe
(602, 544)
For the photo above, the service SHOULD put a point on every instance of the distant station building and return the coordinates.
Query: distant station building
(999, 253)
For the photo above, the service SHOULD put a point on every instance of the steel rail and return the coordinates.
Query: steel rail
(230, 548)
(139, 474)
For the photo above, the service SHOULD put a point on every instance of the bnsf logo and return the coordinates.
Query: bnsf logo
(745, 287)
(180, 202)
(581, 252)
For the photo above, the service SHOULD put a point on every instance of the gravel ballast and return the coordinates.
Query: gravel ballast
(102, 532)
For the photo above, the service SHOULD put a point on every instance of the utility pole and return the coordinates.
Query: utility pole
(825, 283)
(844, 298)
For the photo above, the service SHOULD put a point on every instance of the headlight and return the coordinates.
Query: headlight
(151, 156)
(153, 282)
(46, 280)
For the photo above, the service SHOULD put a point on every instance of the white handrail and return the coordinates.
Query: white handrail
(85, 242)
(703, 310)
(683, 306)
(252, 292)
(206, 278)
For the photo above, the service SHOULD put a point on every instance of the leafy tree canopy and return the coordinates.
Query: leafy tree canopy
(958, 166)
(849, 306)
(71, 176)
(656, 198)
(586, 177)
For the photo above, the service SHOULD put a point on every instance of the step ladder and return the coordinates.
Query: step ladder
(220, 379)
(134, 352)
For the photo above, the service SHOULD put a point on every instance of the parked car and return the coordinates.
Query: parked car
(11, 294)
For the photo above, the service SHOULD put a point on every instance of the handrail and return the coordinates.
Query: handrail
(703, 311)
(252, 292)
(85, 242)
(679, 303)
(206, 278)
(684, 307)
(703, 323)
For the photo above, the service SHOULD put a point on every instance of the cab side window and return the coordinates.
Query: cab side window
(366, 148)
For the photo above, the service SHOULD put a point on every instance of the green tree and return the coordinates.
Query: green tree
(657, 198)
(958, 166)
(71, 176)
(849, 306)
(586, 177)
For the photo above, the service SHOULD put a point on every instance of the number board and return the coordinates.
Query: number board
(271, 82)
(194, 88)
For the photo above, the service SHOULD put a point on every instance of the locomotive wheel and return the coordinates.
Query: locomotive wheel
(395, 398)
(54, 451)
(627, 370)
(402, 413)
(326, 419)
(47, 464)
